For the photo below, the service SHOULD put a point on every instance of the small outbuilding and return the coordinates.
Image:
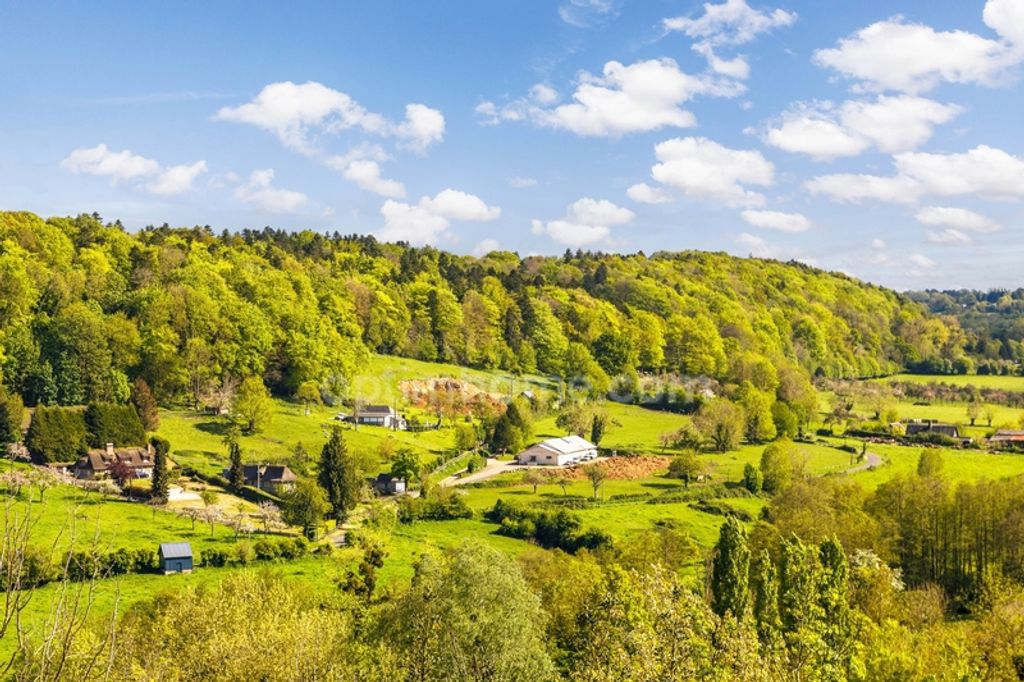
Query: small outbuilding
(558, 452)
(386, 484)
(176, 557)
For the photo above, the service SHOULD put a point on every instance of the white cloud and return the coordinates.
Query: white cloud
(297, 113)
(176, 179)
(128, 166)
(366, 175)
(99, 160)
(260, 192)
(731, 23)
(777, 220)
(922, 261)
(854, 188)
(949, 236)
(705, 170)
(983, 171)
(908, 57)
(645, 194)
(877, 244)
(422, 127)
(543, 94)
(640, 97)
(890, 124)
(587, 222)
(757, 246)
(451, 203)
(427, 221)
(585, 13)
(956, 218)
(520, 182)
(485, 247)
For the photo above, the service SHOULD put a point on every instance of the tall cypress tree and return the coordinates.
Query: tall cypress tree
(338, 476)
(729, 593)
(236, 474)
(160, 483)
(766, 600)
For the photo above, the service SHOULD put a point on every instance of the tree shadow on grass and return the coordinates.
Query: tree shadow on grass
(217, 428)
(658, 485)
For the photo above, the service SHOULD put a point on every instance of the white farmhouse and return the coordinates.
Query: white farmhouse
(558, 451)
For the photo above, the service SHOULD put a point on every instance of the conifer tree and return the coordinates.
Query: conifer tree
(160, 482)
(731, 561)
(338, 476)
(236, 474)
(766, 598)
(145, 404)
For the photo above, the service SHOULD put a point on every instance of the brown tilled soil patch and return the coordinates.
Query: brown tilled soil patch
(418, 389)
(624, 468)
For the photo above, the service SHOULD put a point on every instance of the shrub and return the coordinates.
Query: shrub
(550, 529)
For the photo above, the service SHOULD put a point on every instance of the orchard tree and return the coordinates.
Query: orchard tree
(597, 474)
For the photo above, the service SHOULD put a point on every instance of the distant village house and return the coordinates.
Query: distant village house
(1007, 438)
(271, 478)
(380, 415)
(386, 484)
(96, 463)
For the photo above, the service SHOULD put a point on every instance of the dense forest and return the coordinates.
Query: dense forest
(87, 307)
(993, 321)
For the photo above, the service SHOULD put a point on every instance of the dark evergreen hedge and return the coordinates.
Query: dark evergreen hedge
(112, 423)
(56, 434)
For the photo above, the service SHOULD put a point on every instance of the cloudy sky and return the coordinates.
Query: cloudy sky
(880, 138)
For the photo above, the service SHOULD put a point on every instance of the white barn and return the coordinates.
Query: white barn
(558, 451)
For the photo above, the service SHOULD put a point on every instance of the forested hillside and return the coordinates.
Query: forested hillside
(86, 307)
(993, 321)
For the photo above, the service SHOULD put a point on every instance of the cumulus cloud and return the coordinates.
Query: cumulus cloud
(297, 113)
(888, 123)
(485, 247)
(757, 246)
(922, 261)
(949, 236)
(587, 222)
(639, 97)
(428, 220)
(728, 24)
(303, 115)
(983, 171)
(702, 169)
(911, 57)
(366, 175)
(176, 179)
(260, 192)
(127, 166)
(645, 194)
(956, 218)
(777, 220)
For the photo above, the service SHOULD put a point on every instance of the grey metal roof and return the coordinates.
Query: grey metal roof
(176, 550)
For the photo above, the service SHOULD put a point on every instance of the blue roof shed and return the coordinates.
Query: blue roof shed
(176, 557)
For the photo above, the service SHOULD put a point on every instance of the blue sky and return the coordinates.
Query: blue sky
(880, 138)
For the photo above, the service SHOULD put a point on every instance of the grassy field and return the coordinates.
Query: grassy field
(961, 465)
(70, 517)
(1007, 383)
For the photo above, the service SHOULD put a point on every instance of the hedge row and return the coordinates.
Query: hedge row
(550, 529)
(40, 569)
